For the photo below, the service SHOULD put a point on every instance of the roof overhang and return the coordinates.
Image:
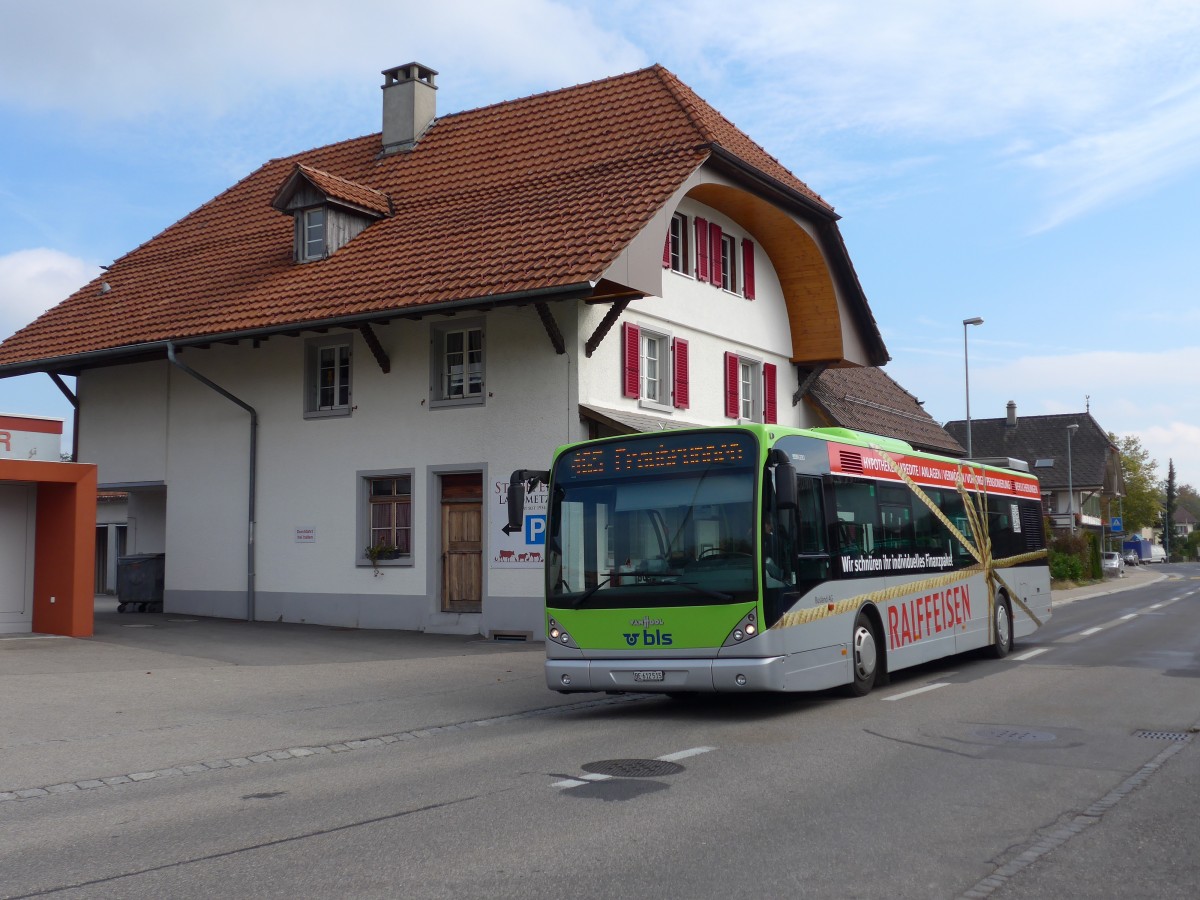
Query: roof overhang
(130, 353)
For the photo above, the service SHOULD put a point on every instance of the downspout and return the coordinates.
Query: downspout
(253, 469)
(73, 399)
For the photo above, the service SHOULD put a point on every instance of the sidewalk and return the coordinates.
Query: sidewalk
(172, 694)
(158, 691)
(1137, 576)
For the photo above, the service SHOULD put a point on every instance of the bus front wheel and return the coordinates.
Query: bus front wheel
(864, 648)
(1003, 628)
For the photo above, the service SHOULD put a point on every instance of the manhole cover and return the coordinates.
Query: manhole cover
(1180, 736)
(1016, 735)
(633, 768)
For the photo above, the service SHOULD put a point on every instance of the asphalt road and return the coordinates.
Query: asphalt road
(1066, 770)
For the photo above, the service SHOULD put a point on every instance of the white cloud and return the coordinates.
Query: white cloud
(32, 281)
(123, 59)
(1174, 441)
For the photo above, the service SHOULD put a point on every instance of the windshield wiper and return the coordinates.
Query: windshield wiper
(707, 592)
(586, 595)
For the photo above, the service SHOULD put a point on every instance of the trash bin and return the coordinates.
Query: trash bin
(140, 582)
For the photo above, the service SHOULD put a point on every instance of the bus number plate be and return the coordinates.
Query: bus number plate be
(656, 675)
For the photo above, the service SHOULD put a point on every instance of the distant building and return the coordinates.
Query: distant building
(1089, 469)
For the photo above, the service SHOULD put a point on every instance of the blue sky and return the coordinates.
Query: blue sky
(1032, 162)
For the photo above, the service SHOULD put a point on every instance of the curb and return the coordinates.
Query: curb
(1070, 597)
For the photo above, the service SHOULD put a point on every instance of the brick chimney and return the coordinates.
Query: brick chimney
(1012, 415)
(409, 105)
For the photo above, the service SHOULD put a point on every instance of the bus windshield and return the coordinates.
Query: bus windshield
(653, 521)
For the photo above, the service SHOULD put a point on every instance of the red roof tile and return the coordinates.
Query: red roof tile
(336, 188)
(527, 195)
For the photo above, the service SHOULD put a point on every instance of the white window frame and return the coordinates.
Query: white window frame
(680, 263)
(729, 266)
(315, 350)
(653, 340)
(364, 530)
(313, 238)
(440, 364)
(750, 390)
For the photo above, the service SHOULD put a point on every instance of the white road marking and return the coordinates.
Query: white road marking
(1088, 631)
(596, 776)
(1030, 654)
(1155, 605)
(921, 690)
(1130, 616)
(684, 754)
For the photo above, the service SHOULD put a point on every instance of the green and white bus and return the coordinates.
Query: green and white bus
(761, 558)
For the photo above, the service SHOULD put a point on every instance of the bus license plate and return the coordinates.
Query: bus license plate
(655, 675)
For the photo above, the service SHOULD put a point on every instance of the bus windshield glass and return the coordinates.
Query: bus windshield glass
(662, 520)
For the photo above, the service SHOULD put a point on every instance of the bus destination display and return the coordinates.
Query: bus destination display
(649, 456)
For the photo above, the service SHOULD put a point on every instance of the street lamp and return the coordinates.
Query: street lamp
(974, 320)
(1070, 478)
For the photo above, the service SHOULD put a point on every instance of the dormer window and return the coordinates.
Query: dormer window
(329, 211)
(311, 241)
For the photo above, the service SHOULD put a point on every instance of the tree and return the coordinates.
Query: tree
(1141, 504)
(1169, 512)
(1187, 498)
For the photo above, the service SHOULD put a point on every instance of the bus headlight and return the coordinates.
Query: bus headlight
(558, 635)
(743, 630)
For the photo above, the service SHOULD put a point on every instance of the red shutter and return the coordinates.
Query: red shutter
(732, 387)
(667, 249)
(701, 248)
(748, 269)
(770, 407)
(714, 236)
(679, 372)
(632, 364)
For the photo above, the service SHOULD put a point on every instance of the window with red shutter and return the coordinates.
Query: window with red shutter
(748, 269)
(714, 264)
(701, 248)
(732, 385)
(631, 371)
(770, 407)
(667, 250)
(679, 373)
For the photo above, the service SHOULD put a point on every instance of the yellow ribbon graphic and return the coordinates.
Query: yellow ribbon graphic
(975, 507)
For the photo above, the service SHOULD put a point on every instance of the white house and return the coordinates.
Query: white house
(353, 347)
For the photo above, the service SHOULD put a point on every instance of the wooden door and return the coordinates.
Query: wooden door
(462, 542)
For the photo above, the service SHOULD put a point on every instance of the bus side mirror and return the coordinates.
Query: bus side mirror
(516, 495)
(785, 485)
(516, 501)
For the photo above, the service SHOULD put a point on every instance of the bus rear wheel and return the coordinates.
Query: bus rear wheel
(864, 649)
(1003, 628)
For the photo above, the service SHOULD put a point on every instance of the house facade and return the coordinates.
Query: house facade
(313, 389)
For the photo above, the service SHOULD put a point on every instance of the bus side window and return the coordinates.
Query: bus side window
(812, 556)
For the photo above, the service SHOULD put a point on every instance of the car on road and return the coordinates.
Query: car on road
(1132, 559)
(1113, 564)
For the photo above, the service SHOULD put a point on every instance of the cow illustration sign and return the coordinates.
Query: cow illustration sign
(511, 548)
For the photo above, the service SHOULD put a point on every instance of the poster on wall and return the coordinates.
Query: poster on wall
(524, 548)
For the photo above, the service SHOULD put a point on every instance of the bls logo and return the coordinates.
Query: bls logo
(653, 638)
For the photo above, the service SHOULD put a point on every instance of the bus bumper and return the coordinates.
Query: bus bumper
(666, 675)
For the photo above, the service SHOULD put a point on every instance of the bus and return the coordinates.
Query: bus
(761, 558)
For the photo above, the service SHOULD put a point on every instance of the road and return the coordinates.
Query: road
(1067, 769)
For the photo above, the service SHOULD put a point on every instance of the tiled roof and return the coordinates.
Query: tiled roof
(1044, 438)
(867, 399)
(336, 188)
(529, 195)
